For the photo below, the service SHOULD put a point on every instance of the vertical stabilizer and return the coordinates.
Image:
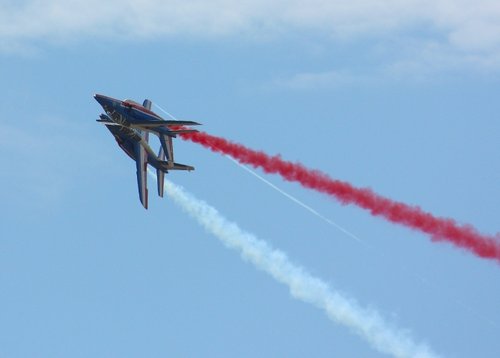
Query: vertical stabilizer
(147, 104)
(141, 161)
(160, 174)
(168, 148)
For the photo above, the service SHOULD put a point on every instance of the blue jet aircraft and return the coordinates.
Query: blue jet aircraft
(130, 123)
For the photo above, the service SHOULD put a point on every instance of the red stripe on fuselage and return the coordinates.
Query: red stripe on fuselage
(140, 108)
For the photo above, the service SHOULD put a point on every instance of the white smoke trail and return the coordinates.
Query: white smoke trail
(161, 109)
(365, 322)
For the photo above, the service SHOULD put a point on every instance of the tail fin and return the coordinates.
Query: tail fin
(147, 104)
(141, 162)
(168, 148)
(160, 174)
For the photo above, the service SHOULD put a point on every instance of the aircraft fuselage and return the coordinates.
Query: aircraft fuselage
(127, 112)
(128, 139)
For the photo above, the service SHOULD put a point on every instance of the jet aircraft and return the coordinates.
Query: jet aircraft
(130, 123)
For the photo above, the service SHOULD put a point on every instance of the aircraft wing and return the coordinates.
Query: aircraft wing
(162, 123)
(141, 161)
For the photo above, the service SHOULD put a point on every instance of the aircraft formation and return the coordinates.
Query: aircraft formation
(131, 123)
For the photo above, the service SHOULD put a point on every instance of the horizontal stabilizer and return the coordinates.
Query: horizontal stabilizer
(162, 123)
(181, 123)
(166, 166)
(180, 131)
(178, 166)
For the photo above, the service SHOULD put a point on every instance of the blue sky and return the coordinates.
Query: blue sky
(399, 97)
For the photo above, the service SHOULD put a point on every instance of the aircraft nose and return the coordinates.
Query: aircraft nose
(97, 97)
(103, 100)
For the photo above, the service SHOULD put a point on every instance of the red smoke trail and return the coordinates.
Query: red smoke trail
(440, 229)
